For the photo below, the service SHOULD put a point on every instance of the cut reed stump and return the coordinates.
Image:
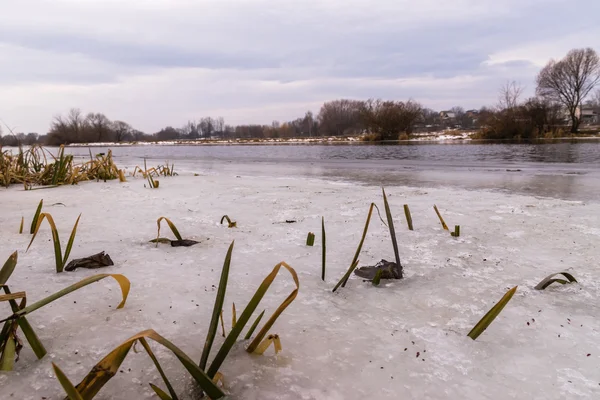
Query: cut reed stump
(95, 261)
(385, 270)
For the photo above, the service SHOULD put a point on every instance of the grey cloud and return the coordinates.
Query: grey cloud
(258, 53)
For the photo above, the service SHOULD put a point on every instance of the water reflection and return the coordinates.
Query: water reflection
(568, 170)
(465, 152)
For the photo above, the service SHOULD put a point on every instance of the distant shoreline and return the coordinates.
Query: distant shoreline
(424, 138)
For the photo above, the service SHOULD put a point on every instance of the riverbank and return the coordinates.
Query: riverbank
(407, 337)
(448, 135)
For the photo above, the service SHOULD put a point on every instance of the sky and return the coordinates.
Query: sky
(154, 63)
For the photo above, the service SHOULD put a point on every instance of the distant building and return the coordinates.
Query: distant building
(447, 115)
(588, 115)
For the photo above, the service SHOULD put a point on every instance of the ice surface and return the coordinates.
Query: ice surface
(406, 339)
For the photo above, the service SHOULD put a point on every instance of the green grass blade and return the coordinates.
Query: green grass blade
(354, 263)
(377, 278)
(70, 243)
(219, 299)
(310, 239)
(230, 223)
(247, 313)
(36, 216)
(323, 244)
(173, 395)
(390, 221)
(491, 315)
(547, 281)
(8, 268)
(265, 329)
(55, 239)
(34, 341)
(7, 360)
(32, 338)
(72, 393)
(254, 325)
(346, 275)
(408, 217)
(121, 280)
(4, 334)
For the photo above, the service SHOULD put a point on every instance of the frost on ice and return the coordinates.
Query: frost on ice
(404, 339)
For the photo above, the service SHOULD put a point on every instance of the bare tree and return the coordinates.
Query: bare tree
(99, 126)
(596, 98)
(341, 117)
(570, 80)
(388, 119)
(121, 130)
(510, 93)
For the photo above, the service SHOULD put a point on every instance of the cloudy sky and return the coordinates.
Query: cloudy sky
(154, 63)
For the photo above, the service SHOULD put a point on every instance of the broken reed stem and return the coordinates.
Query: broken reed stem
(408, 217)
(310, 239)
(456, 232)
(323, 257)
(440, 217)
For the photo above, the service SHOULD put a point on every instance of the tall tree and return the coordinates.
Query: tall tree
(121, 131)
(570, 80)
(99, 126)
(341, 117)
(389, 118)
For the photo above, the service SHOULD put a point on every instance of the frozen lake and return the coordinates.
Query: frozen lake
(404, 339)
(566, 170)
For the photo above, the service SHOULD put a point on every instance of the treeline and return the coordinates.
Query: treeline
(564, 98)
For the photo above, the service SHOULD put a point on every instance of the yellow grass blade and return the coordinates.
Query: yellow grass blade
(171, 225)
(160, 393)
(408, 217)
(21, 226)
(269, 279)
(121, 280)
(72, 393)
(122, 176)
(440, 217)
(222, 323)
(12, 296)
(264, 345)
(491, 315)
(109, 365)
(233, 316)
